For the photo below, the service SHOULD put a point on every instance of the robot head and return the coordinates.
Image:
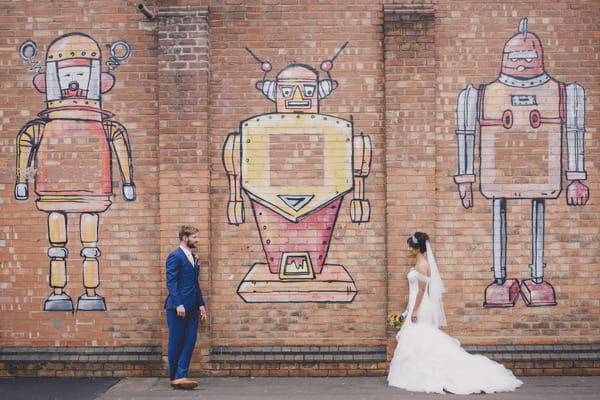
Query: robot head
(73, 70)
(523, 56)
(297, 88)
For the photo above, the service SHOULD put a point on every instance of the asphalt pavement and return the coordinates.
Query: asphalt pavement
(347, 388)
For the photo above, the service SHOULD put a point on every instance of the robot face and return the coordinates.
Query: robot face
(297, 96)
(523, 57)
(297, 90)
(74, 81)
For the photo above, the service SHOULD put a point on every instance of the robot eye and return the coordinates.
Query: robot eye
(529, 60)
(309, 90)
(513, 59)
(287, 91)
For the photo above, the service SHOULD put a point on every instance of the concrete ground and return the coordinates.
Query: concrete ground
(355, 388)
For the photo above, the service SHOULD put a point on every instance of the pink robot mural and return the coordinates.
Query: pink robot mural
(295, 165)
(521, 118)
(68, 152)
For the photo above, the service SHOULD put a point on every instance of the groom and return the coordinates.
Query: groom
(184, 305)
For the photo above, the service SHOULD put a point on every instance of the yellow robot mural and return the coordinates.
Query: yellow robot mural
(68, 153)
(296, 165)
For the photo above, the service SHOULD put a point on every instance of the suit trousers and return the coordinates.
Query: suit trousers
(182, 340)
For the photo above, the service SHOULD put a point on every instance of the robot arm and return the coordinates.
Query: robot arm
(466, 117)
(28, 140)
(119, 142)
(360, 210)
(577, 192)
(231, 161)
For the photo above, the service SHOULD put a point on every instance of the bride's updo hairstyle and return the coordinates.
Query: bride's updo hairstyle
(418, 241)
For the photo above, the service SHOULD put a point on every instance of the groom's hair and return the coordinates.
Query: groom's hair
(187, 230)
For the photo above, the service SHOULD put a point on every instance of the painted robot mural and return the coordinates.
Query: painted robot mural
(295, 165)
(68, 153)
(521, 117)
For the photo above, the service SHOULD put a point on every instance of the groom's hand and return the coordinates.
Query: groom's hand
(180, 311)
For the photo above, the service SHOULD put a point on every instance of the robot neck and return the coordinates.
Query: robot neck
(524, 83)
(74, 109)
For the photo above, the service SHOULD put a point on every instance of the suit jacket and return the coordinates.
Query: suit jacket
(182, 282)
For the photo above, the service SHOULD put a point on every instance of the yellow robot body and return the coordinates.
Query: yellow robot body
(296, 164)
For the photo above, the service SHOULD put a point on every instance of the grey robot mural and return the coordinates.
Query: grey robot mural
(521, 118)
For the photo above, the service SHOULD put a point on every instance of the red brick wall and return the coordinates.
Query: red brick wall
(410, 140)
(469, 40)
(307, 35)
(188, 83)
(128, 235)
(184, 178)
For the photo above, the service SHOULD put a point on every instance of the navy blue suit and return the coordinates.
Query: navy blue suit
(182, 283)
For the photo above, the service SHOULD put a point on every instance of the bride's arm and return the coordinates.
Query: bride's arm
(420, 293)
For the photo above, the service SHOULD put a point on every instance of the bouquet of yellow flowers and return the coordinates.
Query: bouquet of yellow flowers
(396, 319)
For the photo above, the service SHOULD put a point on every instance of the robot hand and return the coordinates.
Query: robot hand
(577, 194)
(21, 191)
(129, 191)
(360, 210)
(465, 190)
(235, 212)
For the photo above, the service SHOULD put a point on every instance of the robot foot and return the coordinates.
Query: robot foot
(504, 295)
(58, 302)
(91, 303)
(538, 294)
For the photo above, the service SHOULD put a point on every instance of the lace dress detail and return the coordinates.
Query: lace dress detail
(428, 360)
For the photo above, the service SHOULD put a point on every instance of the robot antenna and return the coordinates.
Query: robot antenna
(264, 65)
(327, 65)
(339, 51)
(119, 52)
(523, 27)
(28, 50)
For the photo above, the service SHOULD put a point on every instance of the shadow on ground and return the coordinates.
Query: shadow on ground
(54, 388)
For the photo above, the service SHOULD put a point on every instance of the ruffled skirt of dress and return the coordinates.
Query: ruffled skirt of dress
(428, 360)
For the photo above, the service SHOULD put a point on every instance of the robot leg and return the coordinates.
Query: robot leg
(90, 300)
(535, 291)
(502, 292)
(58, 253)
(499, 239)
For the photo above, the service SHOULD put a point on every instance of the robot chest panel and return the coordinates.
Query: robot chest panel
(296, 163)
(536, 108)
(521, 139)
(74, 156)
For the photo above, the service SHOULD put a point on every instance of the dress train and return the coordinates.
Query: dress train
(427, 359)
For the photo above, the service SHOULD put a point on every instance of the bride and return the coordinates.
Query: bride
(427, 359)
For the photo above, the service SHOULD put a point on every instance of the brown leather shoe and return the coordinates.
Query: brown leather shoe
(184, 383)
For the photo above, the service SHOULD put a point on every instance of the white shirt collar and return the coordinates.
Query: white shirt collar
(186, 251)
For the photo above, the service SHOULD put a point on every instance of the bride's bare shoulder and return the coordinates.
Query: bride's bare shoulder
(422, 267)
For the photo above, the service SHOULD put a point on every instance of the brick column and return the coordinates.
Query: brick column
(410, 106)
(183, 65)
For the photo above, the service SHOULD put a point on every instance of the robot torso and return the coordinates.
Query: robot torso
(296, 164)
(521, 140)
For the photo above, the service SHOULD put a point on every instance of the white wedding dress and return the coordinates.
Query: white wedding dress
(428, 360)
